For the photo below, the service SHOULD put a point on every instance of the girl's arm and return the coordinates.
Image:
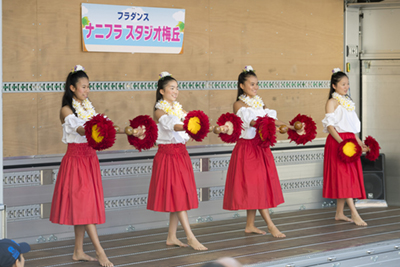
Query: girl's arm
(330, 107)
(362, 145)
(66, 111)
(159, 113)
(238, 105)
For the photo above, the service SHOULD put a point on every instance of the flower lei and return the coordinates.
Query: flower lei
(175, 109)
(85, 110)
(255, 102)
(344, 101)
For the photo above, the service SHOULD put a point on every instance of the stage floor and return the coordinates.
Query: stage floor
(307, 231)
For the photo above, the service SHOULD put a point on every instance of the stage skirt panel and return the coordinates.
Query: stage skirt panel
(252, 180)
(172, 185)
(78, 194)
(341, 180)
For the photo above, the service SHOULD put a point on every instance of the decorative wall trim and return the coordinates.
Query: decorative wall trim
(137, 169)
(281, 158)
(219, 164)
(294, 185)
(117, 203)
(29, 87)
(18, 213)
(302, 184)
(298, 157)
(130, 170)
(216, 192)
(14, 179)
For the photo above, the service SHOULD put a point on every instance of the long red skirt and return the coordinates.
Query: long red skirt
(252, 181)
(78, 194)
(172, 185)
(341, 180)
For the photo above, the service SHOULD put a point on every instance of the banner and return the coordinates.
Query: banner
(110, 28)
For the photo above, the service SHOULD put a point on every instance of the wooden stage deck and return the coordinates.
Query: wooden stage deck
(308, 231)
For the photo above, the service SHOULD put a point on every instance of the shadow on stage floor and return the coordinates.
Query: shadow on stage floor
(308, 232)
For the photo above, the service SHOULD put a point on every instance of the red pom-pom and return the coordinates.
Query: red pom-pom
(349, 145)
(237, 127)
(374, 147)
(150, 134)
(310, 129)
(100, 132)
(197, 125)
(266, 131)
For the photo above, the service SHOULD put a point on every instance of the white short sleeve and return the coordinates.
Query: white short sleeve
(70, 125)
(271, 113)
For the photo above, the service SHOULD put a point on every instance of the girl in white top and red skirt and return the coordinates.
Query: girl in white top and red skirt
(172, 186)
(252, 181)
(342, 180)
(78, 194)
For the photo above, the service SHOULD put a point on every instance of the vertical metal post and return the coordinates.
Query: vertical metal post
(2, 207)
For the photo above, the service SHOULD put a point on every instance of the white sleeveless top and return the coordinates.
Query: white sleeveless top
(247, 114)
(70, 135)
(343, 120)
(166, 132)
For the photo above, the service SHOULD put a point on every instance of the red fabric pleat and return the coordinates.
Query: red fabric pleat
(341, 180)
(172, 185)
(78, 194)
(252, 181)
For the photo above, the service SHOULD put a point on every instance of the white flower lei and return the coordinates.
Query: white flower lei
(175, 109)
(344, 101)
(85, 110)
(254, 102)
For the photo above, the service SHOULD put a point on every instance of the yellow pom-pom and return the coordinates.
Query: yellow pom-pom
(96, 134)
(194, 125)
(349, 149)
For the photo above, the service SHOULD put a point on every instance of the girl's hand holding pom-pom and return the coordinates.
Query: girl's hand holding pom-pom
(229, 127)
(304, 129)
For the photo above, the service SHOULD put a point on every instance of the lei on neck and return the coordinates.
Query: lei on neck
(174, 109)
(344, 101)
(85, 110)
(254, 102)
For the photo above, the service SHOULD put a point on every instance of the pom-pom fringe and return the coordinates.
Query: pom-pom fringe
(104, 130)
(310, 129)
(151, 133)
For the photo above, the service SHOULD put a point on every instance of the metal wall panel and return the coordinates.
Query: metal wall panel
(380, 101)
(380, 32)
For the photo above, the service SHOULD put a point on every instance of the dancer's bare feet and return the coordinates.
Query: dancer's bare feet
(103, 260)
(175, 242)
(358, 221)
(82, 256)
(275, 232)
(254, 230)
(195, 244)
(342, 217)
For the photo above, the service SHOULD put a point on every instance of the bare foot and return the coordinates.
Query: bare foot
(175, 242)
(275, 232)
(103, 260)
(254, 230)
(358, 221)
(82, 256)
(195, 244)
(343, 217)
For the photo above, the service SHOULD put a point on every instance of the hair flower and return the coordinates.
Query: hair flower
(164, 74)
(78, 68)
(336, 70)
(248, 68)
